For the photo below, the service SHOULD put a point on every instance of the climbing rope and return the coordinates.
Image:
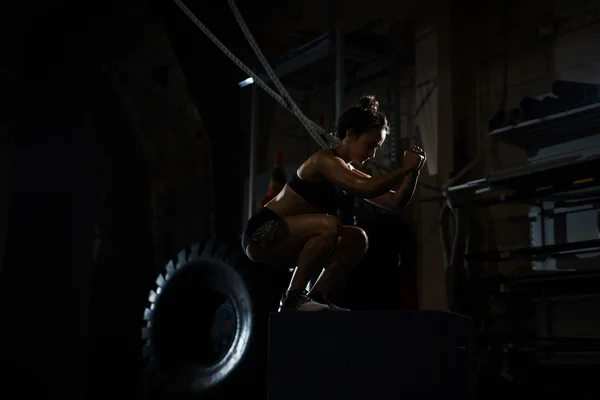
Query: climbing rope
(284, 99)
(270, 72)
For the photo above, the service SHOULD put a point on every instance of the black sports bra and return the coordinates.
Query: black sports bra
(322, 195)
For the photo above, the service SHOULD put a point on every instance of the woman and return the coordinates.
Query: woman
(298, 227)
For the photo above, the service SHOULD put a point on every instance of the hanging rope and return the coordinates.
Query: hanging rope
(313, 129)
(312, 126)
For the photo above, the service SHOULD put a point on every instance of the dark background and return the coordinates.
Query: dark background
(69, 141)
(70, 323)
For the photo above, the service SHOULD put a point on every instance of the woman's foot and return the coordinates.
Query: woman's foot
(333, 307)
(299, 301)
(323, 300)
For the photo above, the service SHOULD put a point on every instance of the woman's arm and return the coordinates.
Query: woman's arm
(404, 194)
(362, 185)
(395, 199)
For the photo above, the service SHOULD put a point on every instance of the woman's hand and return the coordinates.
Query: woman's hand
(421, 152)
(412, 161)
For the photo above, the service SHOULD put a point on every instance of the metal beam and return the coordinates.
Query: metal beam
(253, 149)
(314, 51)
(307, 54)
(337, 50)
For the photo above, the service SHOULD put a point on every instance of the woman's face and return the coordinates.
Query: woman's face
(363, 147)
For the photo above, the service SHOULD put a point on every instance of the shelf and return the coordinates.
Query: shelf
(535, 253)
(553, 129)
(557, 176)
(556, 172)
(555, 286)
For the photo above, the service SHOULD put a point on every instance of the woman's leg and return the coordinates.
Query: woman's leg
(306, 241)
(353, 244)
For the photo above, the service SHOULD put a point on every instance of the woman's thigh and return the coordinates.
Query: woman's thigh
(280, 241)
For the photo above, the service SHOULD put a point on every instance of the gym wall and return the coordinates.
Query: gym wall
(533, 59)
(154, 95)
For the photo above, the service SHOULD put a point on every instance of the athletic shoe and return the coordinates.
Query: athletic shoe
(300, 302)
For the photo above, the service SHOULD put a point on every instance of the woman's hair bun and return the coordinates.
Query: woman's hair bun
(368, 102)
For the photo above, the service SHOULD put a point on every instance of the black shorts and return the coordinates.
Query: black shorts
(265, 229)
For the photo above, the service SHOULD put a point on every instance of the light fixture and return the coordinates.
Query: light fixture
(246, 82)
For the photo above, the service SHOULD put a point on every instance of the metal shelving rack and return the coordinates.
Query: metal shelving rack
(556, 128)
(567, 181)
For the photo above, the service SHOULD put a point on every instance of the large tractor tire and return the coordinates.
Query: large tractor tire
(205, 332)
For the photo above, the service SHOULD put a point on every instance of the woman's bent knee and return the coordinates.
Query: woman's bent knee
(356, 238)
(330, 227)
(363, 240)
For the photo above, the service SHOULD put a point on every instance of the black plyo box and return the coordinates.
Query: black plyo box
(371, 356)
